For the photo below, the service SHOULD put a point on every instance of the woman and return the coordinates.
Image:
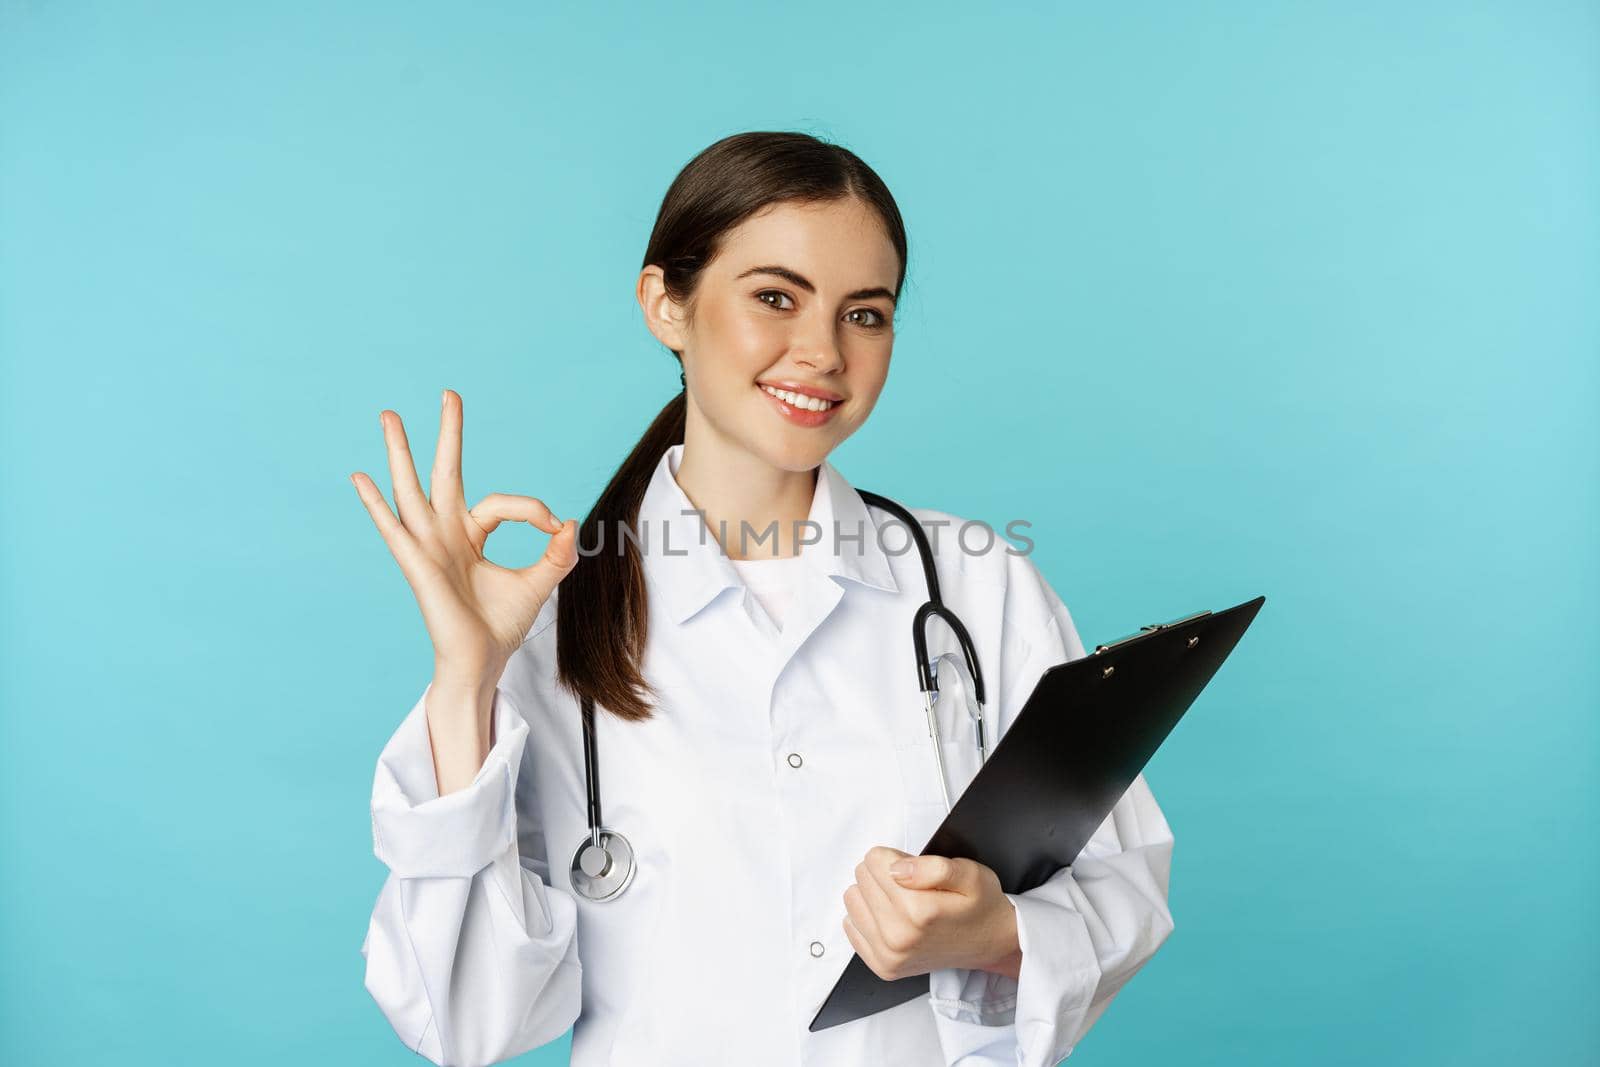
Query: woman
(765, 752)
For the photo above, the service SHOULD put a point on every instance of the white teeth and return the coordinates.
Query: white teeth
(799, 400)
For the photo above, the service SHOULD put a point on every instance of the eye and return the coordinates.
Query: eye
(763, 294)
(877, 322)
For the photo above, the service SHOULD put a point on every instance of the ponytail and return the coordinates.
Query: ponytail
(602, 612)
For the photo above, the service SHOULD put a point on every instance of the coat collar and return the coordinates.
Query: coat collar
(687, 567)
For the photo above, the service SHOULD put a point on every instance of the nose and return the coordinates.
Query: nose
(819, 352)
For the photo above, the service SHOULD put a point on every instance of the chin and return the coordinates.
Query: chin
(796, 455)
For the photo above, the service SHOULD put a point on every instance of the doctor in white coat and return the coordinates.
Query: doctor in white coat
(761, 738)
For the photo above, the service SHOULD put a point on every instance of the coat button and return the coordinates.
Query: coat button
(816, 948)
(794, 759)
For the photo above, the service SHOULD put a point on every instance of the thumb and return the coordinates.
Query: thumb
(560, 556)
(561, 551)
(923, 872)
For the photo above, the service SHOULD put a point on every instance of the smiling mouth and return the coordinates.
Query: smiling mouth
(800, 401)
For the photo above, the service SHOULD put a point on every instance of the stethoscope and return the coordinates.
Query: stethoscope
(604, 864)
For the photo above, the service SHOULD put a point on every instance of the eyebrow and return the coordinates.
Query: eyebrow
(799, 279)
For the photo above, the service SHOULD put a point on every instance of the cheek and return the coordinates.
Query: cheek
(741, 339)
(868, 371)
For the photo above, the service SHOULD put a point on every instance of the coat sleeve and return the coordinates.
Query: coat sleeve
(1084, 932)
(470, 953)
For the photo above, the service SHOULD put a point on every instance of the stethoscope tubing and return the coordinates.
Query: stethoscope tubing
(595, 866)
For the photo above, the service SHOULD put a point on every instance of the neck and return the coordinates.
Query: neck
(732, 485)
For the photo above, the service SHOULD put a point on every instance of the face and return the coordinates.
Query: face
(799, 299)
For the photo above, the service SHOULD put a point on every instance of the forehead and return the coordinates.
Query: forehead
(835, 243)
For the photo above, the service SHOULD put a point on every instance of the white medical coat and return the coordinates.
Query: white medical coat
(775, 760)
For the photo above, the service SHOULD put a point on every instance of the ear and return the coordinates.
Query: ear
(663, 317)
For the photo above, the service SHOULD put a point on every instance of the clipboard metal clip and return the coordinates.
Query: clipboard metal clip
(1146, 630)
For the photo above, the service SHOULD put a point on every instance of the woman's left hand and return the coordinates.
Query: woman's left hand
(945, 912)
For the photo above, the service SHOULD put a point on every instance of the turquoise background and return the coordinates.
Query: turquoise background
(1293, 299)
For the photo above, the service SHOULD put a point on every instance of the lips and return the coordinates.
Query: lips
(796, 411)
(802, 389)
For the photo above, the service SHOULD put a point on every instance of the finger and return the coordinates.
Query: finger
(860, 913)
(893, 927)
(401, 544)
(878, 860)
(445, 486)
(878, 891)
(868, 955)
(413, 506)
(492, 510)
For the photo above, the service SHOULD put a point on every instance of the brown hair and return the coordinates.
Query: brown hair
(601, 611)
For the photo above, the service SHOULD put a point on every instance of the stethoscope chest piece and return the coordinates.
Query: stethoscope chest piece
(601, 871)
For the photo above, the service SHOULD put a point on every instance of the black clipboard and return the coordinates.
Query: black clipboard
(1087, 730)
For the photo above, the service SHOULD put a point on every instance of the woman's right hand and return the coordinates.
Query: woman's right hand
(477, 612)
